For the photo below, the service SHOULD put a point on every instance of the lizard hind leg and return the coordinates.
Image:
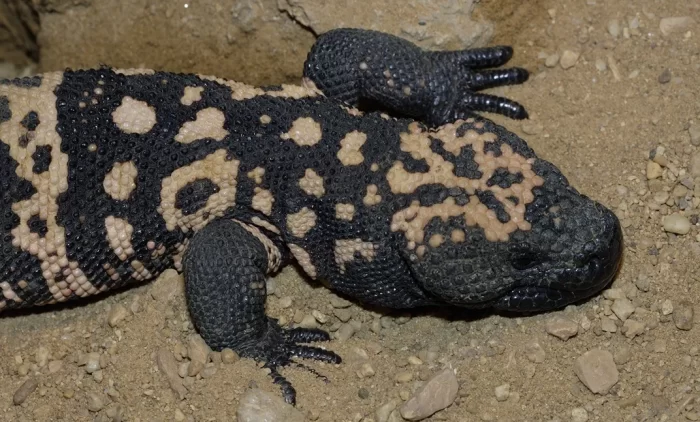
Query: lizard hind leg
(225, 267)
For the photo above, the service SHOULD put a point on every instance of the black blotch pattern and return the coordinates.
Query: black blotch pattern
(272, 88)
(464, 164)
(493, 148)
(42, 159)
(27, 82)
(5, 112)
(487, 198)
(15, 264)
(505, 179)
(37, 225)
(193, 196)
(30, 121)
(460, 195)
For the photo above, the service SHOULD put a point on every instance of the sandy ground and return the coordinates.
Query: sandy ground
(631, 94)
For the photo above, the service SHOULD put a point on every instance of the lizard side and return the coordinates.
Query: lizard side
(108, 177)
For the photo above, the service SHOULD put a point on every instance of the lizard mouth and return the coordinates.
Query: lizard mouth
(552, 288)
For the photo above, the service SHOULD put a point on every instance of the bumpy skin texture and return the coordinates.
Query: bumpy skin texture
(109, 177)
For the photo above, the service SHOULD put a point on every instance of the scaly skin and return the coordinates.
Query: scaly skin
(109, 177)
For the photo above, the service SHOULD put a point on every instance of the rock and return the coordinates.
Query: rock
(168, 366)
(561, 327)
(596, 369)
(643, 283)
(383, 412)
(198, 351)
(683, 316)
(677, 224)
(42, 356)
(338, 302)
(436, 394)
(608, 325)
(666, 307)
(117, 314)
(622, 308)
(552, 60)
(94, 402)
(257, 405)
(695, 165)
(91, 361)
(568, 59)
(654, 170)
(676, 24)
(694, 132)
(632, 328)
(614, 28)
(665, 76)
(534, 352)
(228, 356)
(25, 390)
(345, 332)
(579, 414)
(622, 355)
(502, 392)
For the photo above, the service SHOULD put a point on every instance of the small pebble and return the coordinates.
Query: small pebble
(683, 316)
(596, 369)
(286, 302)
(438, 393)
(694, 132)
(25, 390)
(568, 59)
(675, 24)
(257, 405)
(366, 371)
(579, 414)
(41, 356)
(654, 170)
(228, 356)
(383, 412)
(622, 355)
(94, 402)
(665, 76)
(642, 282)
(534, 352)
(608, 325)
(343, 314)
(600, 65)
(695, 165)
(632, 328)
(198, 351)
(623, 308)
(117, 314)
(677, 224)
(339, 302)
(561, 327)
(345, 331)
(403, 377)
(614, 28)
(308, 322)
(666, 307)
(502, 392)
(551, 60)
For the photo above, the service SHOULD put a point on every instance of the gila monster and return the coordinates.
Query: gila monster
(109, 177)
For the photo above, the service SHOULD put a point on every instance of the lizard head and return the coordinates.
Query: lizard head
(491, 225)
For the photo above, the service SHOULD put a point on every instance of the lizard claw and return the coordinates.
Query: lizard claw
(279, 346)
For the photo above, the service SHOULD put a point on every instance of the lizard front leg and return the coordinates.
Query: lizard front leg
(225, 267)
(359, 66)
